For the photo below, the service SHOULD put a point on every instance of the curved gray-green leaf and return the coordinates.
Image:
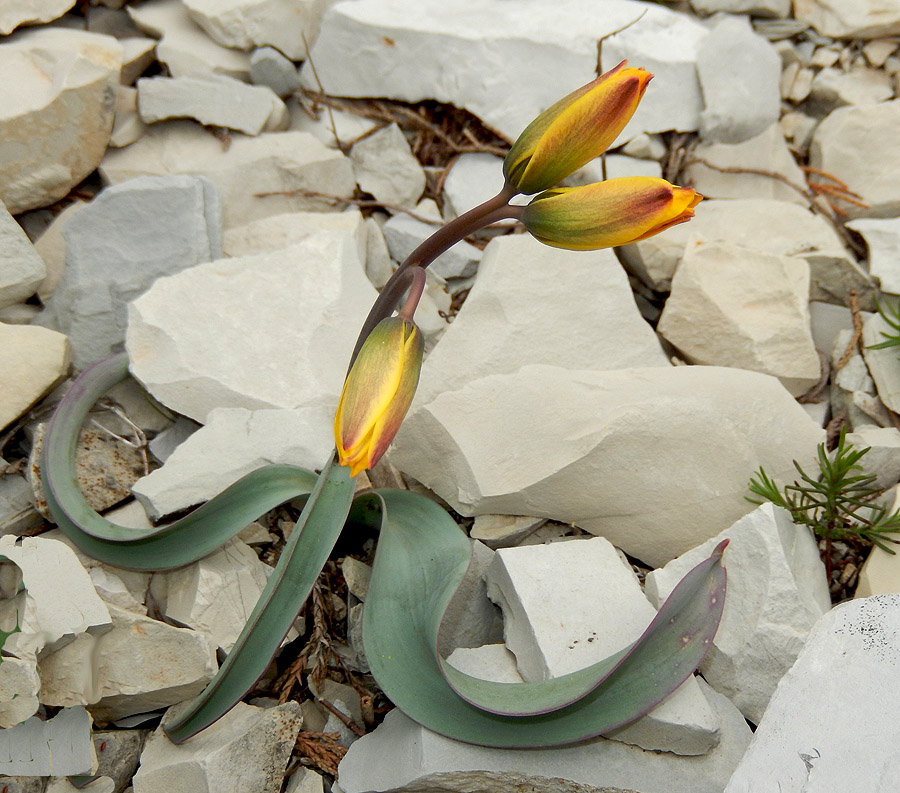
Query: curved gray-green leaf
(165, 547)
(302, 559)
(421, 558)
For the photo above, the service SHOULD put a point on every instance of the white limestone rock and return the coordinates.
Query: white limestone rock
(765, 225)
(739, 74)
(858, 145)
(880, 574)
(776, 592)
(882, 238)
(33, 361)
(280, 330)
(27, 12)
(61, 745)
(882, 364)
(656, 459)
(19, 687)
(304, 780)
(128, 126)
(332, 127)
(385, 167)
(56, 112)
(837, 702)
(271, 162)
(129, 235)
(766, 151)
(21, 268)
(287, 25)
(401, 755)
(826, 321)
(139, 666)
(247, 749)
(440, 50)
(138, 54)
(216, 594)
(269, 67)
(617, 166)
(184, 48)
(833, 88)
(550, 638)
(532, 304)
(734, 306)
(281, 231)
(474, 178)
(17, 513)
(861, 19)
(504, 531)
(404, 233)
(760, 8)
(212, 99)
(58, 603)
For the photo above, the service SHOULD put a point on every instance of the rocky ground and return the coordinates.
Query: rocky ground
(223, 187)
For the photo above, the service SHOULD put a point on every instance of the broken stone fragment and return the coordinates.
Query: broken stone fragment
(59, 746)
(385, 167)
(776, 592)
(246, 750)
(138, 666)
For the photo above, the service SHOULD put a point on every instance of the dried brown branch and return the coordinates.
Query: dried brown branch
(321, 750)
(856, 339)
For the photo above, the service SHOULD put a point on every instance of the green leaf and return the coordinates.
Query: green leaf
(421, 558)
(302, 559)
(164, 547)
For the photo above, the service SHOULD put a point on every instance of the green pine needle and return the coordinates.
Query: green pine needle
(838, 504)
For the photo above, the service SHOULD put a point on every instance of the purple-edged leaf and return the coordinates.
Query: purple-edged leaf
(421, 559)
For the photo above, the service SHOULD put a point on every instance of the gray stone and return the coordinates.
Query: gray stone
(162, 446)
(212, 99)
(250, 167)
(17, 514)
(858, 146)
(28, 12)
(439, 50)
(861, 19)
(247, 749)
(883, 241)
(403, 234)
(234, 442)
(57, 113)
(51, 246)
(813, 726)
(269, 67)
(504, 531)
(304, 780)
(400, 755)
(281, 331)
(61, 745)
(129, 236)
(183, 47)
(734, 306)
(357, 575)
(471, 619)
(21, 268)
(385, 167)
(118, 755)
(766, 151)
(598, 449)
(739, 73)
(281, 231)
(33, 361)
(883, 458)
(474, 178)
(128, 126)
(765, 225)
(617, 166)
(244, 24)
(776, 592)
(138, 666)
(585, 318)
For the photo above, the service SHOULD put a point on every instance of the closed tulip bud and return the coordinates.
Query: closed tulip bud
(606, 214)
(377, 393)
(575, 130)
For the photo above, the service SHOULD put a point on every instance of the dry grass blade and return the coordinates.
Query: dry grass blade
(320, 750)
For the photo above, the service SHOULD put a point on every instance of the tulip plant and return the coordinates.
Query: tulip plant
(422, 555)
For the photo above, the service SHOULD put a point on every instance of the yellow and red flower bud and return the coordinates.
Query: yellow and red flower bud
(377, 393)
(606, 214)
(575, 130)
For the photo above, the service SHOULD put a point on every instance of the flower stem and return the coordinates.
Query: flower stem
(492, 210)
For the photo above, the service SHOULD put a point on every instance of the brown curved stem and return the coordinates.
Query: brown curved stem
(492, 210)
